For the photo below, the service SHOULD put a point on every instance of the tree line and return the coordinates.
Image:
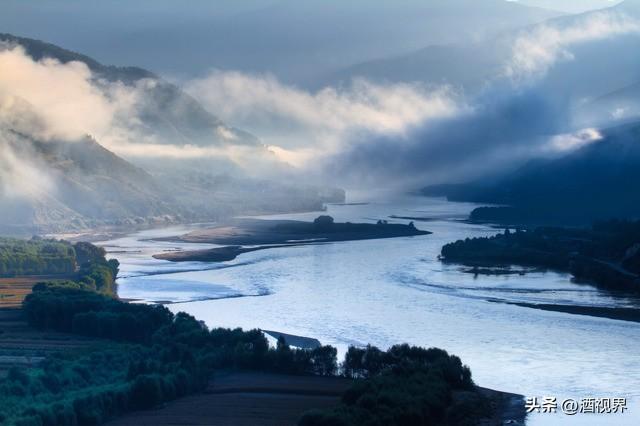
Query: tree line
(145, 355)
(36, 257)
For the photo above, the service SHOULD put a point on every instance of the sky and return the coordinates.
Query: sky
(299, 41)
(361, 131)
(570, 6)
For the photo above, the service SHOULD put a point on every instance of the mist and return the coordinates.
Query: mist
(357, 134)
(404, 135)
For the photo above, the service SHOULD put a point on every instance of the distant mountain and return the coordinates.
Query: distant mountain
(55, 185)
(596, 68)
(467, 65)
(621, 105)
(596, 182)
(168, 113)
(295, 40)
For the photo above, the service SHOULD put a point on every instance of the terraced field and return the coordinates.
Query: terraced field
(21, 345)
(13, 290)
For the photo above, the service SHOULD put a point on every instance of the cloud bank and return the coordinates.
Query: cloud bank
(21, 178)
(362, 133)
(411, 134)
(400, 135)
(64, 101)
(534, 52)
(302, 126)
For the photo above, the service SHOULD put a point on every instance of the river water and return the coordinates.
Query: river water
(396, 290)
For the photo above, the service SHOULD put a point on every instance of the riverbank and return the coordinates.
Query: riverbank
(394, 290)
(623, 314)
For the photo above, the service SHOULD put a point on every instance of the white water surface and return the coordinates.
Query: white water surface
(396, 290)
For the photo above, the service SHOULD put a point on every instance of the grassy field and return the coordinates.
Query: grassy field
(245, 399)
(13, 290)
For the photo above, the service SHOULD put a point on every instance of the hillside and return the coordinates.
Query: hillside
(592, 183)
(168, 113)
(89, 186)
(51, 182)
(621, 105)
(435, 64)
(596, 66)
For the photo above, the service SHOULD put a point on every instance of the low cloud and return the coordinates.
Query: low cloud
(302, 126)
(65, 102)
(534, 52)
(366, 134)
(359, 134)
(410, 134)
(575, 140)
(502, 129)
(48, 100)
(21, 178)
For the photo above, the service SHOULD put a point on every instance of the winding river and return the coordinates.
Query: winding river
(396, 290)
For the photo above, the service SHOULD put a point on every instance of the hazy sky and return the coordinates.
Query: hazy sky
(349, 130)
(570, 6)
(298, 41)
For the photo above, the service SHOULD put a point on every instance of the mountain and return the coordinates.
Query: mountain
(596, 182)
(295, 40)
(86, 186)
(594, 67)
(467, 65)
(621, 105)
(56, 183)
(168, 114)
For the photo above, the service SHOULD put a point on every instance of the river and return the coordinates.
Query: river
(396, 290)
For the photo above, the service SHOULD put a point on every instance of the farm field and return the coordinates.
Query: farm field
(13, 290)
(21, 345)
(245, 399)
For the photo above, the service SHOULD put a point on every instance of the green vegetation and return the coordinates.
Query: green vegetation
(160, 356)
(146, 355)
(90, 387)
(607, 254)
(326, 226)
(404, 386)
(71, 307)
(83, 261)
(36, 257)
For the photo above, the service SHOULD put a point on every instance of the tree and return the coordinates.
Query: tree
(323, 221)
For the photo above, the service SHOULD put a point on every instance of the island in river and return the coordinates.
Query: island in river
(607, 254)
(99, 357)
(266, 234)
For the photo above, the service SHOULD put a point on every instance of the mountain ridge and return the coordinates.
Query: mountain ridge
(589, 184)
(89, 186)
(169, 111)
